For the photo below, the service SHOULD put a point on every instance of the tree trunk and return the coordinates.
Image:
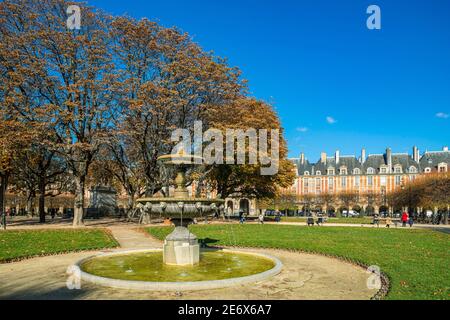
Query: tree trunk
(79, 201)
(446, 216)
(29, 207)
(42, 200)
(130, 204)
(3, 182)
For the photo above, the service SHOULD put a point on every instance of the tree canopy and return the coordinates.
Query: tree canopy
(109, 95)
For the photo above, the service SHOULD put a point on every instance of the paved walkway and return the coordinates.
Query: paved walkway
(304, 276)
(134, 238)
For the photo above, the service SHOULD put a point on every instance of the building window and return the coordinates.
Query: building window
(370, 181)
(427, 170)
(370, 171)
(412, 169)
(383, 180)
(306, 173)
(357, 181)
(343, 182)
(305, 185)
(318, 173)
(318, 185)
(398, 169)
(398, 180)
(311, 185)
(330, 172)
(442, 167)
(383, 170)
(343, 171)
(356, 171)
(330, 184)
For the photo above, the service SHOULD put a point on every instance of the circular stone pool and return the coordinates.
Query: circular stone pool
(144, 269)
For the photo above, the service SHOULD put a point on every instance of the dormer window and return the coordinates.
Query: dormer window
(427, 170)
(343, 170)
(306, 173)
(318, 173)
(442, 167)
(398, 169)
(383, 170)
(412, 169)
(356, 171)
(330, 172)
(370, 170)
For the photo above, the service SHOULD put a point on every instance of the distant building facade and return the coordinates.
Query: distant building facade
(377, 174)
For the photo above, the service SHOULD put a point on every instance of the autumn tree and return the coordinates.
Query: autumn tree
(428, 191)
(348, 198)
(327, 199)
(168, 82)
(247, 180)
(70, 74)
(114, 91)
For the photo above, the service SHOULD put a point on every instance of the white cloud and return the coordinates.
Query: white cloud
(331, 120)
(302, 129)
(442, 115)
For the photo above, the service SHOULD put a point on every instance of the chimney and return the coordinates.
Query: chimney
(416, 155)
(363, 155)
(336, 156)
(323, 157)
(302, 158)
(445, 149)
(389, 158)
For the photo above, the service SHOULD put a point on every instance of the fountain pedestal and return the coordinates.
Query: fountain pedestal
(181, 246)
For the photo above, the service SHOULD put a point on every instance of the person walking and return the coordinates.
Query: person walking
(277, 216)
(241, 216)
(376, 220)
(411, 220)
(388, 222)
(404, 218)
(261, 218)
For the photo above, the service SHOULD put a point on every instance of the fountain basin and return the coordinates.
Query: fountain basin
(191, 207)
(145, 270)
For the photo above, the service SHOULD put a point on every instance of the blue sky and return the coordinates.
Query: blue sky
(316, 59)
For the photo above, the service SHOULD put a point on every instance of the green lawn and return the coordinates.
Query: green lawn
(16, 245)
(417, 261)
(358, 220)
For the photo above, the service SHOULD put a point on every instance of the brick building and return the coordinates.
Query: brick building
(373, 174)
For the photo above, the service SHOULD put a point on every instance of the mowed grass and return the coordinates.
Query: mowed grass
(356, 220)
(15, 244)
(417, 261)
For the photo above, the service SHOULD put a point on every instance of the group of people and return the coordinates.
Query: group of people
(315, 218)
(405, 219)
(260, 217)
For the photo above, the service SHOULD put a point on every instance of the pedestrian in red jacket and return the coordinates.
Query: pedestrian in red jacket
(404, 218)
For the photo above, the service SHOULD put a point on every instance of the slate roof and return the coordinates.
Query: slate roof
(432, 159)
(301, 168)
(405, 160)
(375, 161)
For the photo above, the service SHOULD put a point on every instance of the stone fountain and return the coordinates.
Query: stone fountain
(178, 267)
(181, 246)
